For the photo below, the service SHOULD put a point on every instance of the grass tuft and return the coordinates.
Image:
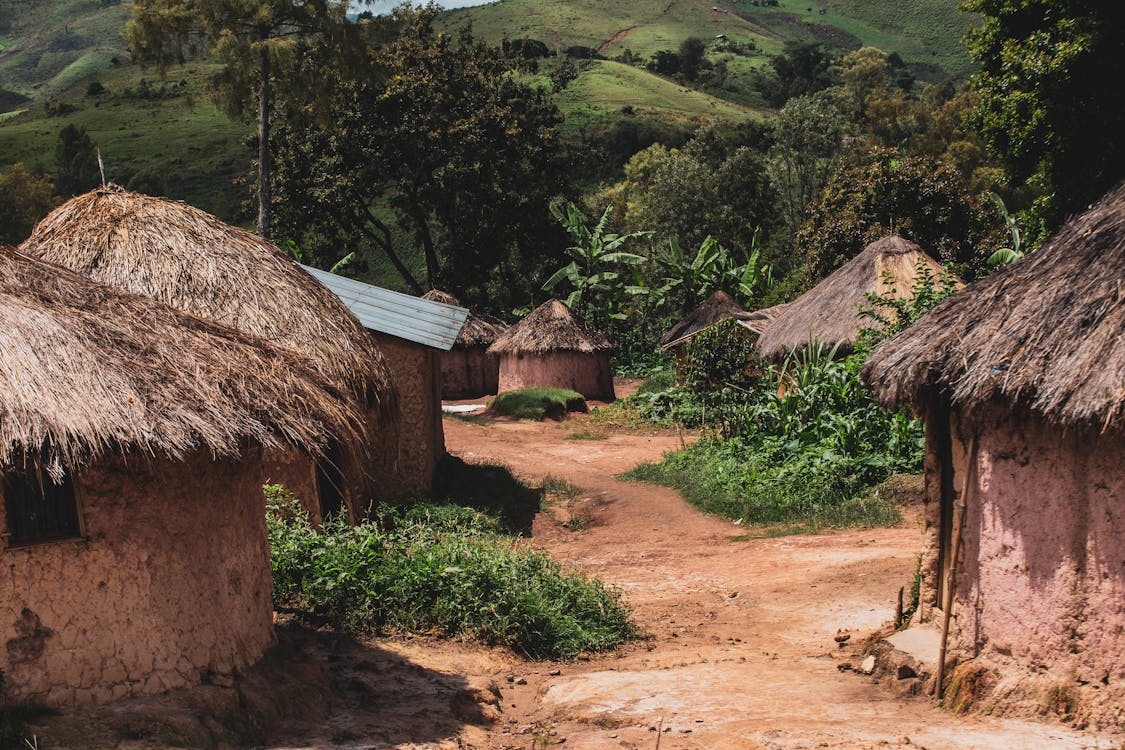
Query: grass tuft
(537, 403)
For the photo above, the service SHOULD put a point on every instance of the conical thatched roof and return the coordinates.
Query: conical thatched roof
(718, 307)
(86, 369)
(479, 329)
(188, 259)
(1047, 331)
(829, 312)
(551, 327)
(757, 320)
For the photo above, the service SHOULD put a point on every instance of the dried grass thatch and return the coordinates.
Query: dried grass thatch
(757, 320)
(718, 307)
(479, 329)
(194, 262)
(1046, 332)
(829, 312)
(86, 369)
(551, 327)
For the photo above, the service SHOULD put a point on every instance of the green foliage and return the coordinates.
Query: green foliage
(26, 199)
(76, 162)
(594, 254)
(465, 154)
(439, 569)
(918, 197)
(1015, 250)
(694, 278)
(537, 403)
(896, 314)
(1051, 102)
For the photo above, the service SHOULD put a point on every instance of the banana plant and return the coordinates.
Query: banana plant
(1016, 250)
(296, 253)
(711, 269)
(594, 256)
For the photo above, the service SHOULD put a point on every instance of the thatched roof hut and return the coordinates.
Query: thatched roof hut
(1021, 380)
(829, 312)
(133, 541)
(87, 369)
(187, 258)
(718, 307)
(552, 347)
(468, 370)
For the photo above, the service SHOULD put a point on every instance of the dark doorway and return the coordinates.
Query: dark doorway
(330, 484)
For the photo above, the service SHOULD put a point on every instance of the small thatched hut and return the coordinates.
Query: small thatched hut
(134, 556)
(412, 333)
(718, 307)
(188, 259)
(552, 348)
(1021, 381)
(829, 312)
(468, 370)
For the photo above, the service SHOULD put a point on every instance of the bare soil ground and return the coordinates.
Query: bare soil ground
(740, 653)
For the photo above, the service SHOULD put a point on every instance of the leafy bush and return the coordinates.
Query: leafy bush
(537, 403)
(438, 568)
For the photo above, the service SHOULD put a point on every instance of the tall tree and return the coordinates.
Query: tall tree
(76, 162)
(1052, 106)
(255, 41)
(26, 199)
(464, 155)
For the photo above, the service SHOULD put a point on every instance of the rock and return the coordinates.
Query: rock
(905, 672)
(555, 672)
(842, 637)
(845, 666)
(868, 665)
(477, 703)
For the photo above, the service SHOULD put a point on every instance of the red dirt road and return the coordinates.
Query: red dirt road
(742, 652)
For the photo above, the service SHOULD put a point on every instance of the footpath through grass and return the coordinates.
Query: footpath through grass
(442, 569)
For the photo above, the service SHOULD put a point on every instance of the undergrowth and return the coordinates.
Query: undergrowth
(442, 569)
(537, 403)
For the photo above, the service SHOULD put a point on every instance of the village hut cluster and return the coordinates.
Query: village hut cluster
(158, 367)
(469, 370)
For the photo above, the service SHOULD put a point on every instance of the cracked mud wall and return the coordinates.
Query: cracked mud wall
(169, 586)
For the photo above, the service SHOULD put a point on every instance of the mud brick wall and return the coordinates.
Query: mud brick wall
(297, 473)
(588, 374)
(421, 443)
(170, 584)
(469, 372)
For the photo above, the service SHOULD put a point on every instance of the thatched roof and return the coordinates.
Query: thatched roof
(479, 329)
(757, 320)
(829, 312)
(550, 327)
(718, 307)
(86, 369)
(1047, 331)
(188, 259)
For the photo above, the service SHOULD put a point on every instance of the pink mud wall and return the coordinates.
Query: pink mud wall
(170, 583)
(296, 472)
(469, 372)
(1042, 578)
(421, 444)
(588, 374)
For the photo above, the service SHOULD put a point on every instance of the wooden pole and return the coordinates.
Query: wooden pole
(951, 575)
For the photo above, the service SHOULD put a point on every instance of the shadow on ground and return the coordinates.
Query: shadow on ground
(490, 488)
(313, 689)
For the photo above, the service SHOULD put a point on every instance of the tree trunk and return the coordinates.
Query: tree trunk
(264, 192)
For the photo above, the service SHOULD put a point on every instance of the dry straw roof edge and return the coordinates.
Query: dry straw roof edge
(1046, 332)
(718, 307)
(829, 312)
(479, 329)
(86, 369)
(550, 327)
(189, 259)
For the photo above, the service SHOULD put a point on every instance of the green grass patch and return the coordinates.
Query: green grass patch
(586, 435)
(441, 569)
(801, 495)
(537, 403)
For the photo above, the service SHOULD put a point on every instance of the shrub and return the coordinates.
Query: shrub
(537, 403)
(441, 569)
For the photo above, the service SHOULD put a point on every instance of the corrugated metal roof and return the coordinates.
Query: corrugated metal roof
(415, 319)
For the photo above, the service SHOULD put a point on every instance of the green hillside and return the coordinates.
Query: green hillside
(926, 33)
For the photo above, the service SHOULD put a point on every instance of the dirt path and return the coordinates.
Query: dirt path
(742, 652)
